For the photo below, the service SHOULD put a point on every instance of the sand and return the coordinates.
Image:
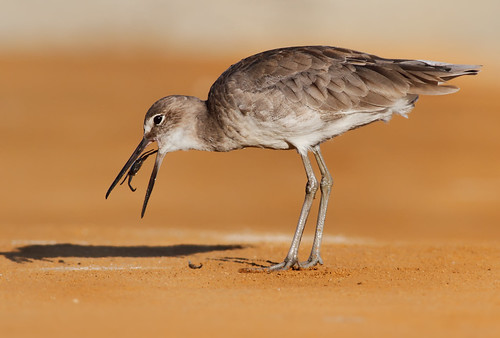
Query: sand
(411, 241)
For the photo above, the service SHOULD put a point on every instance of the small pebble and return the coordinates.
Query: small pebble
(194, 266)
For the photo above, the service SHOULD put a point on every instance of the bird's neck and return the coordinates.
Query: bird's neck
(199, 128)
(210, 133)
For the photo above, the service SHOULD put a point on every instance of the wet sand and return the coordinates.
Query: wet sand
(411, 246)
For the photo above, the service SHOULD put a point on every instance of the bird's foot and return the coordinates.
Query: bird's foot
(311, 262)
(288, 263)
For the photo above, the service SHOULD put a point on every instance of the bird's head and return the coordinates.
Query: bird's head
(170, 123)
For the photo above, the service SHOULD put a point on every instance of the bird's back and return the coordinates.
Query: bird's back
(301, 96)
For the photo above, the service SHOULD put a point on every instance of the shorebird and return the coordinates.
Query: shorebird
(292, 98)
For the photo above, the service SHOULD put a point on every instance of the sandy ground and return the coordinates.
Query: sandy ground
(411, 241)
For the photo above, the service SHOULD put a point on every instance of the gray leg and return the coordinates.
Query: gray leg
(311, 187)
(326, 187)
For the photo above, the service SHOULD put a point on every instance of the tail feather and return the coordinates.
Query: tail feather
(428, 77)
(459, 70)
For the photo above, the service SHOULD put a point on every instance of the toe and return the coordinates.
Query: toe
(311, 262)
(285, 265)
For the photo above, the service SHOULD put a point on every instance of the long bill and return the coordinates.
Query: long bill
(140, 148)
(152, 180)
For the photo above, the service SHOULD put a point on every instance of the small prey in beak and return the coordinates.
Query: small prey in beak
(134, 163)
(136, 166)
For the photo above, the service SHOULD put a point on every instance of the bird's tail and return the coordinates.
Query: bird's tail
(428, 77)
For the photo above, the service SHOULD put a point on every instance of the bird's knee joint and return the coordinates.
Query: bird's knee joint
(311, 186)
(326, 182)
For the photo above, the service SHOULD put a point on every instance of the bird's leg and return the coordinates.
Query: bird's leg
(291, 258)
(326, 187)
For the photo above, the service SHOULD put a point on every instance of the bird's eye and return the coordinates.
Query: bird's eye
(158, 119)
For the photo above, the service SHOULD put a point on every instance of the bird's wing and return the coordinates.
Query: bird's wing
(336, 79)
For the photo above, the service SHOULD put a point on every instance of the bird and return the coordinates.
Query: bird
(292, 98)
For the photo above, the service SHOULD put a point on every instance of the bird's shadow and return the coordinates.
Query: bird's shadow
(30, 253)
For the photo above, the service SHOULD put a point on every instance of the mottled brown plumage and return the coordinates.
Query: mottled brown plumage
(293, 98)
(298, 82)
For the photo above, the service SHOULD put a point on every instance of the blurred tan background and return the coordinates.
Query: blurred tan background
(77, 78)
(411, 237)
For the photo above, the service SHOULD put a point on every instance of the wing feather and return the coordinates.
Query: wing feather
(333, 80)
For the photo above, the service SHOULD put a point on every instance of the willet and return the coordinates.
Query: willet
(292, 98)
